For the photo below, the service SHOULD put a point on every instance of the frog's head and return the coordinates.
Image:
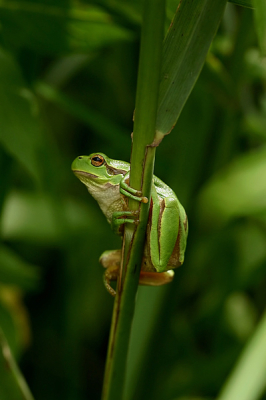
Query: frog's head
(98, 169)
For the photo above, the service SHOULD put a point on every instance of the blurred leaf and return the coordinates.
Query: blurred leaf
(93, 119)
(244, 3)
(32, 24)
(29, 216)
(254, 120)
(240, 314)
(15, 271)
(255, 123)
(20, 132)
(248, 379)
(260, 19)
(90, 34)
(256, 64)
(185, 49)
(192, 398)
(6, 163)
(126, 12)
(64, 68)
(32, 217)
(14, 318)
(12, 383)
(238, 190)
(8, 324)
(57, 28)
(250, 239)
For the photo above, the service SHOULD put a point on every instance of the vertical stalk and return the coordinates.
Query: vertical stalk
(142, 161)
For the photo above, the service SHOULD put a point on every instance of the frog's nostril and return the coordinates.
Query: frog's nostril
(80, 157)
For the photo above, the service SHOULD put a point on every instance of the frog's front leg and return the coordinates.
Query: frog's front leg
(123, 217)
(127, 217)
(128, 191)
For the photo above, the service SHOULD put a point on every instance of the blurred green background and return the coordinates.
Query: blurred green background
(68, 74)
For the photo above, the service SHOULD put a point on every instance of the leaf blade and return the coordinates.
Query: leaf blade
(185, 49)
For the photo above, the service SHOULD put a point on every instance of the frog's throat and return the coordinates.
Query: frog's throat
(89, 180)
(85, 174)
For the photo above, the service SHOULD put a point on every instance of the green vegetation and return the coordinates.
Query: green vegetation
(68, 73)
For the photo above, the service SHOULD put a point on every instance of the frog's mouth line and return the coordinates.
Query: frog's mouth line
(115, 171)
(87, 174)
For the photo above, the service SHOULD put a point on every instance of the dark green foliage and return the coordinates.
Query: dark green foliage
(67, 87)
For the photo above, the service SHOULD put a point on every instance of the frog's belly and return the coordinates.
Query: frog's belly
(109, 199)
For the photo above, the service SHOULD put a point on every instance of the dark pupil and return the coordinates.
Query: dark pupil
(97, 159)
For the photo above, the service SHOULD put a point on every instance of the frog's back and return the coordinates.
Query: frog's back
(162, 189)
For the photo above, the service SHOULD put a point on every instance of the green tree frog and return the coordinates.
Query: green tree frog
(166, 236)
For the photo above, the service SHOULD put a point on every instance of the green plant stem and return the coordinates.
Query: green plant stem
(142, 161)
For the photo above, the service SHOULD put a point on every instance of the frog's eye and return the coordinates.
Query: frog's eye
(97, 160)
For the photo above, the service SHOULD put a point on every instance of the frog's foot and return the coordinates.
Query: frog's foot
(110, 274)
(110, 260)
(130, 192)
(156, 278)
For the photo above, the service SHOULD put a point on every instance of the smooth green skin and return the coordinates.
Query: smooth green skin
(168, 221)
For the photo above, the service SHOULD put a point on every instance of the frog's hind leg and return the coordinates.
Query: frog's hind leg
(110, 274)
(156, 278)
(146, 278)
(110, 260)
(164, 232)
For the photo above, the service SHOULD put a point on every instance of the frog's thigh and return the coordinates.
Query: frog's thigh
(110, 257)
(167, 236)
(155, 278)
